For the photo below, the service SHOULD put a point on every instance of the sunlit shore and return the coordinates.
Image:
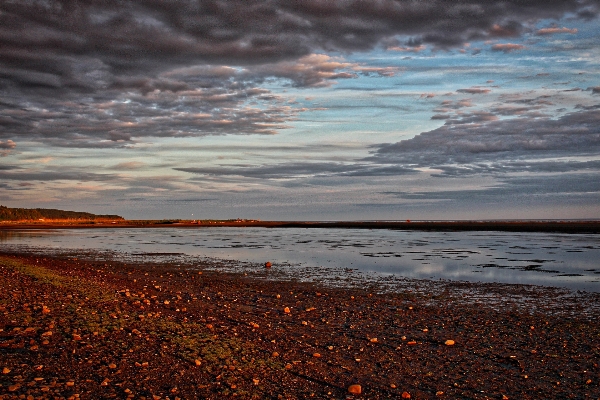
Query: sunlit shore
(566, 226)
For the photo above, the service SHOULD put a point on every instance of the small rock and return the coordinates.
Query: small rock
(317, 355)
(112, 365)
(393, 386)
(197, 362)
(373, 340)
(275, 354)
(425, 330)
(449, 342)
(355, 389)
(412, 343)
(405, 395)
(286, 310)
(70, 383)
(268, 264)
(5, 370)
(439, 393)
(255, 381)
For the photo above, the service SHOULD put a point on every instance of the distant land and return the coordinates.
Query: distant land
(39, 218)
(49, 214)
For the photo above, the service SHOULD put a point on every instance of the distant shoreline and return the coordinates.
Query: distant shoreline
(501, 226)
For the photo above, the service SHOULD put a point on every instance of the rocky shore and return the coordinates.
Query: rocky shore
(84, 328)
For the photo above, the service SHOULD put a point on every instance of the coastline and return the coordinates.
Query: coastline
(110, 329)
(500, 226)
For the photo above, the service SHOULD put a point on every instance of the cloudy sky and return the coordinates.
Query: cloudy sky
(302, 110)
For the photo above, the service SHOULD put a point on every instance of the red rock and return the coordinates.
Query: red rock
(355, 389)
(405, 395)
(268, 264)
(449, 342)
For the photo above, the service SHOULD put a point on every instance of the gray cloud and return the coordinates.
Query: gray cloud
(553, 189)
(301, 170)
(497, 140)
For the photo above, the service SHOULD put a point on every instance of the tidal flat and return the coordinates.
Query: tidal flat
(91, 326)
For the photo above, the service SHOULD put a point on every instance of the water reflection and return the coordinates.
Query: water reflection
(568, 260)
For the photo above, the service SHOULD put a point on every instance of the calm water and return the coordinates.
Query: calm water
(566, 260)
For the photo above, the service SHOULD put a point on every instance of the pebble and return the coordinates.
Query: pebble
(198, 362)
(449, 342)
(355, 389)
(373, 340)
(112, 366)
(5, 370)
(268, 264)
(286, 310)
(316, 355)
(405, 395)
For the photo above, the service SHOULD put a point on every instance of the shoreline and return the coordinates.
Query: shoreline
(110, 329)
(500, 226)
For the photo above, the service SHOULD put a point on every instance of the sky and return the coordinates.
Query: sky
(302, 110)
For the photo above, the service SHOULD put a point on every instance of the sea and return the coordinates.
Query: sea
(570, 261)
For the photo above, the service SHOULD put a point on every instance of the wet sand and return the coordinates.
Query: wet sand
(86, 327)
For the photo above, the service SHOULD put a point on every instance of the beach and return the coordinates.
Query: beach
(85, 327)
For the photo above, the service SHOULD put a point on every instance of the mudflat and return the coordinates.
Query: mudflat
(73, 327)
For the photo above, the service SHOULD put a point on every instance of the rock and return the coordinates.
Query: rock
(355, 389)
(412, 343)
(70, 383)
(286, 310)
(317, 355)
(275, 354)
(268, 264)
(393, 386)
(373, 340)
(5, 370)
(112, 365)
(255, 381)
(197, 362)
(405, 395)
(449, 342)
(439, 393)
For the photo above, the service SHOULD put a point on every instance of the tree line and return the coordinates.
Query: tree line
(18, 214)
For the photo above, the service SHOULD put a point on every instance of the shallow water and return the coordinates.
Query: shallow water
(565, 260)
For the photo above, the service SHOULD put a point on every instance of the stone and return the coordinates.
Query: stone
(373, 340)
(5, 370)
(317, 355)
(268, 264)
(405, 395)
(197, 362)
(112, 365)
(449, 342)
(355, 389)
(286, 310)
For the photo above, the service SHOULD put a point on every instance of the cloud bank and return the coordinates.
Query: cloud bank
(101, 74)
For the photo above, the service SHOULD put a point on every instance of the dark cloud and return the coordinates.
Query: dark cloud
(7, 145)
(101, 74)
